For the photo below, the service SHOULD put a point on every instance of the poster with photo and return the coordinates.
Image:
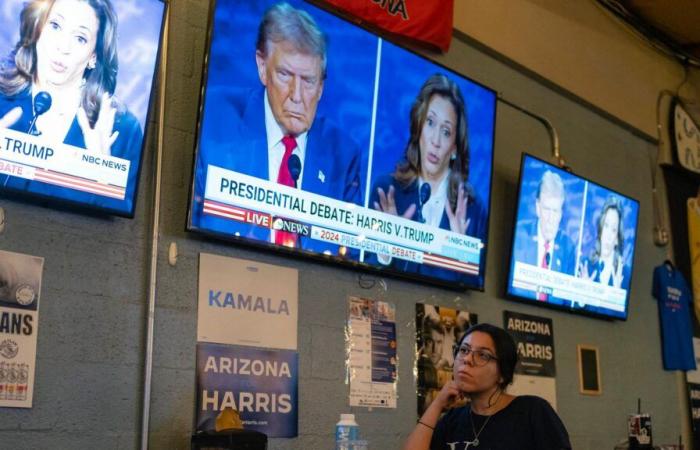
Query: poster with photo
(20, 287)
(371, 347)
(437, 330)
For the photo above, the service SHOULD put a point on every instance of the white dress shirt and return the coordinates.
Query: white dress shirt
(434, 208)
(275, 147)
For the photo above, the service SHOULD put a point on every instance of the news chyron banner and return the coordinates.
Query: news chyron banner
(20, 286)
(262, 385)
(536, 368)
(32, 158)
(243, 198)
(248, 303)
(371, 352)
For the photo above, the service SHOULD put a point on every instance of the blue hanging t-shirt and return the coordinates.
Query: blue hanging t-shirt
(674, 299)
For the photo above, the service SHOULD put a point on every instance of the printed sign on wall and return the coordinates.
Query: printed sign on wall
(20, 286)
(534, 337)
(437, 330)
(247, 303)
(261, 385)
(371, 350)
(536, 368)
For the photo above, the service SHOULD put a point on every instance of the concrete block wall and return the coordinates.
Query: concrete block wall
(93, 313)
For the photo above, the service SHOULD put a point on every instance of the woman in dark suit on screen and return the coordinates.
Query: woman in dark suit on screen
(59, 80)
(606, 263)
(431, 183)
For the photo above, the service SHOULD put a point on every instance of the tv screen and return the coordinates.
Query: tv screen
(76, 81)
(323, 139)
(573, 244)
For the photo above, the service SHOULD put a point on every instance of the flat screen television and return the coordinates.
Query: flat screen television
(573, 243)
(76, 81)
(322, 139)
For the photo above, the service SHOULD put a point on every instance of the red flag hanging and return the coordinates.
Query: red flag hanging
(428, 21)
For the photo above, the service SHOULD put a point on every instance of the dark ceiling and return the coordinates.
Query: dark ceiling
(678, 20)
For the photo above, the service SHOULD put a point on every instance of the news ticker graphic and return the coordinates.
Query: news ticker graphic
(568, 287)
(32, 158)
(235, 196)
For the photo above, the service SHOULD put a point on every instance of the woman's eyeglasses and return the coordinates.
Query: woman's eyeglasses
(480, 357)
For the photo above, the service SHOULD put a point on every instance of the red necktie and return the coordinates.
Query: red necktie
(545, 265)
(285, 177)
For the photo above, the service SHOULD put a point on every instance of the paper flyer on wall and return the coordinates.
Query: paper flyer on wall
(371, 349)
(536, 369)
(437, 330)
(245, 302)
(20, 288)
(262, 385)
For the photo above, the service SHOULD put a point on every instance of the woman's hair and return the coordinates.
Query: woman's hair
(410, 168)
(18, 70)
(506, 350)
(611, 204)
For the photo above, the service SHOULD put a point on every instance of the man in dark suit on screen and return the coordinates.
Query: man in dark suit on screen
(542, 243)
(273, 132)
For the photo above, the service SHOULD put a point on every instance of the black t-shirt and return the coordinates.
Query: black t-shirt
(527, 423)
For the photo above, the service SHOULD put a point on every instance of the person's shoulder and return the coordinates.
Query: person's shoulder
(126, 121)
(530, 403)
(333, 136)
(385, 180)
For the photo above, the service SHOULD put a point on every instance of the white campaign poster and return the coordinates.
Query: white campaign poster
(20, 286)
(371, 349)
(248, 303)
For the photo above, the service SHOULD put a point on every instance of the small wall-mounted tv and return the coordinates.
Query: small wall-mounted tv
(317, 137)
(76, 81)
(573, 243)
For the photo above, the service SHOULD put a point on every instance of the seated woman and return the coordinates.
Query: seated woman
(606, 263)
(485, 360)
(430, 184)
(67, 53)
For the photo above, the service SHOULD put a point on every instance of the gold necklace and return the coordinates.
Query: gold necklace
(475, 441)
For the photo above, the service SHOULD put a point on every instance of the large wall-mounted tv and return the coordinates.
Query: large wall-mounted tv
(317, 137)
(76, 79)
(573, 243)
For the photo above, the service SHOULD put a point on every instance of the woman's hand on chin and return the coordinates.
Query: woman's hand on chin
(11, 117)
(99, 138)
(458, 218)
(448, 395)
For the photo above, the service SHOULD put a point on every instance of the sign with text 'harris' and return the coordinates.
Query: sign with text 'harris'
(247, 303)
(424, 21)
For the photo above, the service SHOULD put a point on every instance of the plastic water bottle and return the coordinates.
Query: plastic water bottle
(346, 431)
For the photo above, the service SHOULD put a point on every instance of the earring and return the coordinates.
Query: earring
(91, 65)
(453, 157)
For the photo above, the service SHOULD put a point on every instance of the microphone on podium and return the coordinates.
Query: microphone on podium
(423, 197)
(41, 104)
(294, 166)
